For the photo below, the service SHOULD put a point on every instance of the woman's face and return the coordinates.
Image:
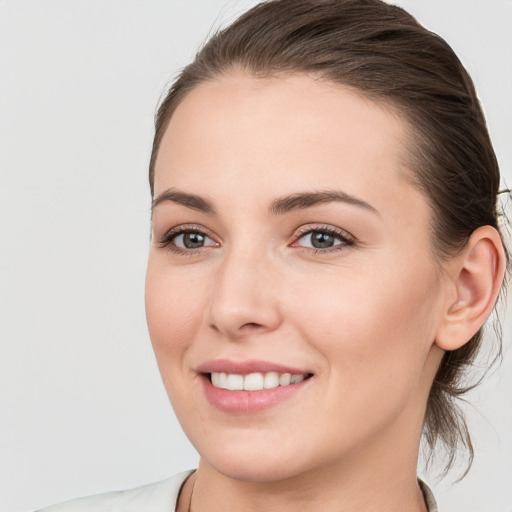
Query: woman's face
(287, 240)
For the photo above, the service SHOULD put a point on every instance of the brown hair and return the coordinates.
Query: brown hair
(384, 53)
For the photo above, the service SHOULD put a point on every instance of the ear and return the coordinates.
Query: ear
(476, 276)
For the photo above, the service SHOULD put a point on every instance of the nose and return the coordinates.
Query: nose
(245, 299)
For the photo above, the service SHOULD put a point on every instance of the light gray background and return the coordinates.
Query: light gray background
(82, 406)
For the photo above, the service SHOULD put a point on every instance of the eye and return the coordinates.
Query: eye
(324, 239)
(191, 240)
(186, 240)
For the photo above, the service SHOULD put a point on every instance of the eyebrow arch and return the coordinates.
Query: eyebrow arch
(303, 200)
(192, 201)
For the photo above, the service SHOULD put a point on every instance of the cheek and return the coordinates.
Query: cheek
(174, 310)
(374, 330)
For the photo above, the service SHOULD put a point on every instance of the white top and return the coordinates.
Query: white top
(158, 497)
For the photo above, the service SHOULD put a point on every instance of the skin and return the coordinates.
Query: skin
(363, 316)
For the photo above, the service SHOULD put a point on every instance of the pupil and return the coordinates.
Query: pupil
(193, 240)
(322, 240)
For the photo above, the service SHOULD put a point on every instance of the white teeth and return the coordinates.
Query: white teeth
(216, 379)
(271, 380)
(285, 379)
(223, 380)
(235, 382)
(254, 381)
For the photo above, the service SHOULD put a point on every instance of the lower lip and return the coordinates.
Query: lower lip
(247, 402)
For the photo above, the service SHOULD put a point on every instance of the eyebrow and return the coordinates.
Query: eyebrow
(192, 201)
(303, 200)
(280, 206)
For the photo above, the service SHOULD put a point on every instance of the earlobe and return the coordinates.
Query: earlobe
(476, 278)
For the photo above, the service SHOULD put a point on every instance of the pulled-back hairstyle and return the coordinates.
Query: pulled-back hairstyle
(386, 55)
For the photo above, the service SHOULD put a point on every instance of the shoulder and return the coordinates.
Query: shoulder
(429, 496)
(155, 497)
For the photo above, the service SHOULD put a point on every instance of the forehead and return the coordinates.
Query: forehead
(238, 130)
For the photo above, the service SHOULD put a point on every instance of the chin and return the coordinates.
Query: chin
(260, 470)
(249, 456)
(262, 457)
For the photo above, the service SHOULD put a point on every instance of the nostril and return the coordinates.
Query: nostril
(250, 325)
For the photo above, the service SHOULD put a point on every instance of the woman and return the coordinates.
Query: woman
(325, 250)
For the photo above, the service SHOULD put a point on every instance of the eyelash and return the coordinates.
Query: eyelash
(347, 240)
(166, 241)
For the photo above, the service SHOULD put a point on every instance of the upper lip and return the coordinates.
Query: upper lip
(247, 366)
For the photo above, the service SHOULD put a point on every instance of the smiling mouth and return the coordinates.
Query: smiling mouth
(255, 381)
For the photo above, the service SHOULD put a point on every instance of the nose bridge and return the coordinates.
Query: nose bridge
(243, 300)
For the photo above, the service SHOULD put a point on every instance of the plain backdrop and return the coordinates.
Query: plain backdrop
(82, 408)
